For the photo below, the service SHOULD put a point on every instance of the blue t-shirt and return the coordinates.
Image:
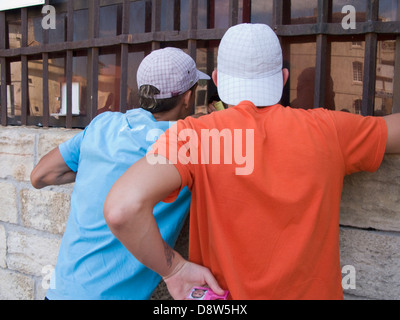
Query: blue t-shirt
(92, 263)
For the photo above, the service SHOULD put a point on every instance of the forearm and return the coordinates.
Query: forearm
(147, 245)
(128, 211)
(52, 170)
(141, 236)
(393, 141)
(55, 180)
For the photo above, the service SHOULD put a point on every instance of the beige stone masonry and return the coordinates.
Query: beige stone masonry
(32, 221)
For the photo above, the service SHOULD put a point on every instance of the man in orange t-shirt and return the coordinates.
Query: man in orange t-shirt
(266, 183)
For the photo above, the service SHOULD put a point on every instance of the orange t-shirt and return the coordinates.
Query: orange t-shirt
(266, 195)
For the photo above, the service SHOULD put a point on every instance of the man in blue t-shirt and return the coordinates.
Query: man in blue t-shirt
(92, 263)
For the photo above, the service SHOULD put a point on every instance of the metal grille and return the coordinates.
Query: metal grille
(84, 67)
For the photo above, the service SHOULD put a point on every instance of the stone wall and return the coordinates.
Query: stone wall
(32, 222)
(370, 233)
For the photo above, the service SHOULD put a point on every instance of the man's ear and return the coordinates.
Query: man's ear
(285, 73)
(214, 77)
(186, 98)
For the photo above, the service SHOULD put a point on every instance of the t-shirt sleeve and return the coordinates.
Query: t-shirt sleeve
(173, 147)
(362, 141)
(70, 151)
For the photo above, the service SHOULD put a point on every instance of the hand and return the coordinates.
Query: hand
(188, 276)
(211, 108)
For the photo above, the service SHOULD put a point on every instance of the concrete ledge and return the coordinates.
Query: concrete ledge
(372, 200)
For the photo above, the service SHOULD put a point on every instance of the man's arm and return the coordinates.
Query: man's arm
(52, 170)
(128, 211)
(393, 125)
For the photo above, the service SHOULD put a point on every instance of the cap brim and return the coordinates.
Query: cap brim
(262, 92)
(203, 76)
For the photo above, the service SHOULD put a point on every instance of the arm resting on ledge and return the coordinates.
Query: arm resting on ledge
(52, 170)
(393, 125)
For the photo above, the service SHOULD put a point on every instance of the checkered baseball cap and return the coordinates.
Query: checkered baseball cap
(250, 65)
(170, 70)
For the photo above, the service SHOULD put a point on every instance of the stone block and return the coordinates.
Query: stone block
(14, 286)
(372, 200)
(17, 147)
(45, 210)
(51, 138)
(16, 166)
(8, 200)
(376, 258)
(3, 247)
(29, 254)
(17, 141)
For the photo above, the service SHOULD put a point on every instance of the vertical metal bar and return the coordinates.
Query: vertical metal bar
(3, 30)
(68, 120)
(69, 63)
(371, 45)
(282, 12)
(24, 69)
(246, 11)
(124, 58)
(177, 15)
(125, 16)
(24, 90)
(211, 14)
(93, 59)
(24, 27)
(3, 75)
(155, 21)
(94, 74)
(321, 56)
(70, 21)
(396, 80)
(193, 16)
(234, 10)
(45, 79)
(124, 78)
(320, 71)
(94, 18)
(148, 20)
(3, 93)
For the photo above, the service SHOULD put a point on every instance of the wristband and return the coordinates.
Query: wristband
(178, 268)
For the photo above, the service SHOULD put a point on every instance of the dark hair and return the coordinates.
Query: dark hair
(148, 102)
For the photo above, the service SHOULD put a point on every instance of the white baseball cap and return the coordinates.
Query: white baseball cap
(250, 65)
(170, 70)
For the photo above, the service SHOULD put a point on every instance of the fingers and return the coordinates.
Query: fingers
(211, 108)
(188, 276)
(212, 282)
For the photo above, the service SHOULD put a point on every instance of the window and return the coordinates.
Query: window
(357, 71)
(65, 77)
